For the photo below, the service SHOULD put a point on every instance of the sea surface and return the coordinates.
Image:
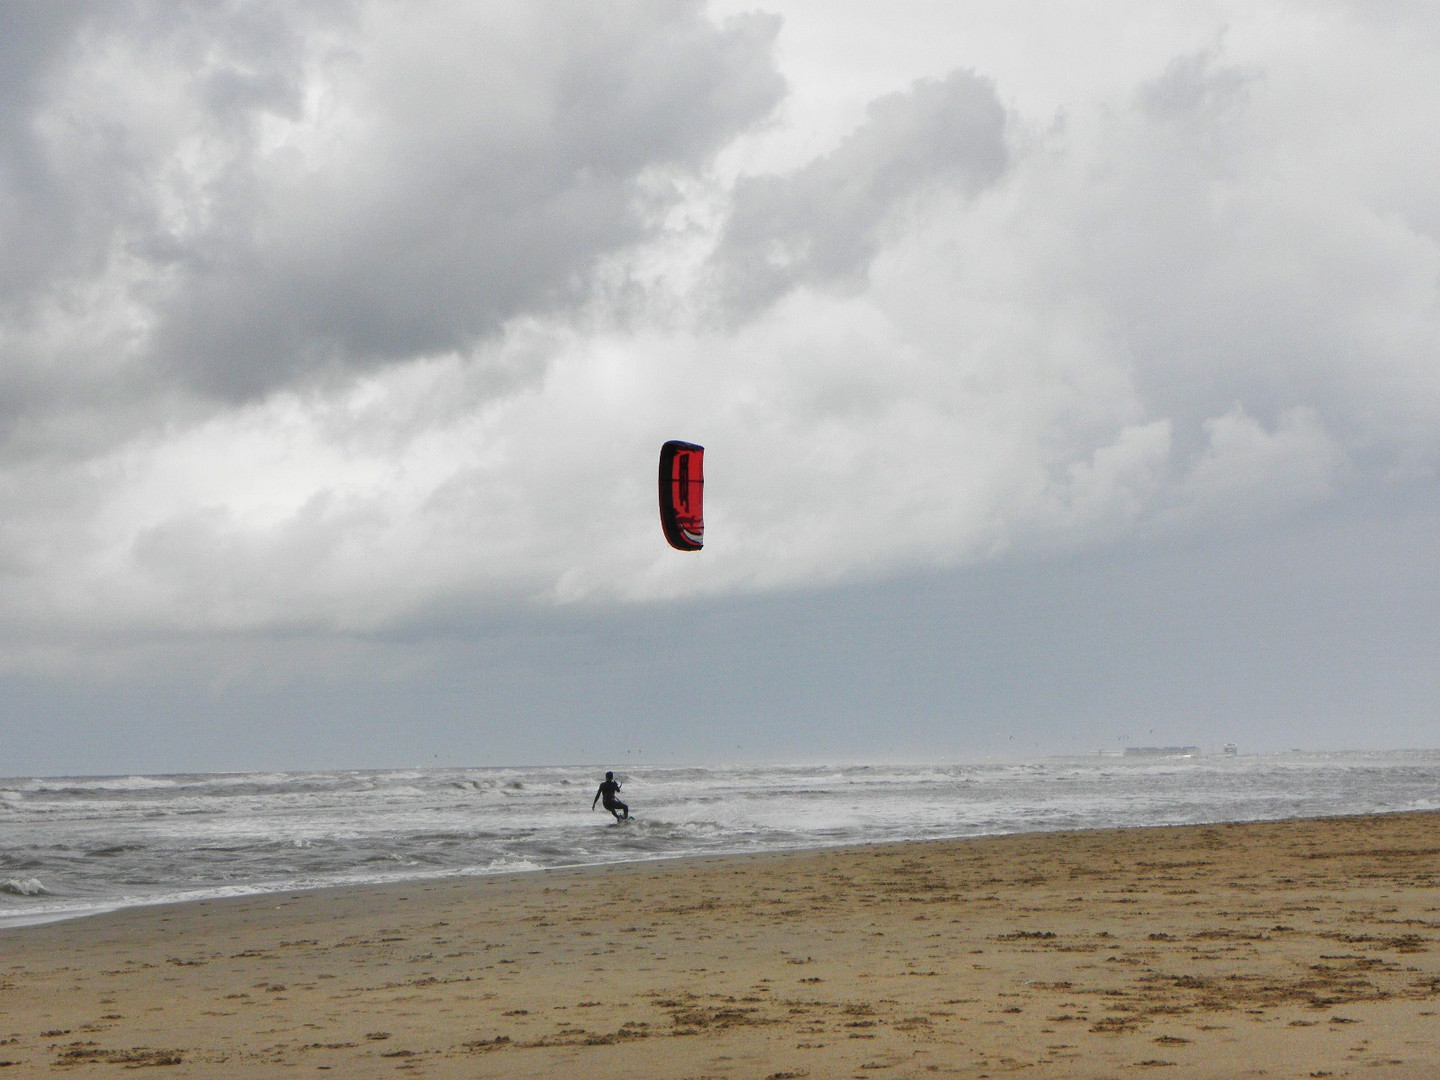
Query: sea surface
(72, 846)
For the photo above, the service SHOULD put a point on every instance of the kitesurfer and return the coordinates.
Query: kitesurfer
(609, 789)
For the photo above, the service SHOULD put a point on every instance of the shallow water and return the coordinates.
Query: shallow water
(71, 846)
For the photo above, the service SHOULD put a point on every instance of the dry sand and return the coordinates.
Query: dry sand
(1292, 949)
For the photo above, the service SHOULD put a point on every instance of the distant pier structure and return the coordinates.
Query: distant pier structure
(1230, 749)
(1162, 751)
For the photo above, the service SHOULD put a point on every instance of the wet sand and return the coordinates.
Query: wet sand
(1291, 949)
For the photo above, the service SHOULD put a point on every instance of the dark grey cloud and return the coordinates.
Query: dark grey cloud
(453, 211)
(33, 35)
(822, 224)
(107, 106)
(228, 199)
(36, 211)
(1196, 87)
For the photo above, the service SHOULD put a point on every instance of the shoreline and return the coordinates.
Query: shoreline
(21, 920)
(1293, 948)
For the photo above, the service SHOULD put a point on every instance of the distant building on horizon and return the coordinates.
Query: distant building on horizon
(1162, 751)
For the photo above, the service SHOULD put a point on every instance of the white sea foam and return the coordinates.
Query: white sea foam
(22, 887)
(81, 785)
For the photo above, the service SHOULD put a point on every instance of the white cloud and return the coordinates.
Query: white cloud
(1247, 471)
(822, 223)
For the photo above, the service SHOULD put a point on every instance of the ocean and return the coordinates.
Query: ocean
(73, 846)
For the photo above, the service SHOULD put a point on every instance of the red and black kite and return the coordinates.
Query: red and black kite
(682, 493)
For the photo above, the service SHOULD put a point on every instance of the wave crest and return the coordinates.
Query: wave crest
(23, 887)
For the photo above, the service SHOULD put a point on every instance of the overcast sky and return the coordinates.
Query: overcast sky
(1069, 376)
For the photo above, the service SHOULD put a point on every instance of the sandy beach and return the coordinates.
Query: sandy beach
(1291, 949)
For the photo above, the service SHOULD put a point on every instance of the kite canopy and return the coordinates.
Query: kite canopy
(682, 493)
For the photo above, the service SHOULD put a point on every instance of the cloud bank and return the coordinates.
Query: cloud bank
(366, 317)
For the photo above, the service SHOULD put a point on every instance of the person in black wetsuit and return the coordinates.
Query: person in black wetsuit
(609, 789)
